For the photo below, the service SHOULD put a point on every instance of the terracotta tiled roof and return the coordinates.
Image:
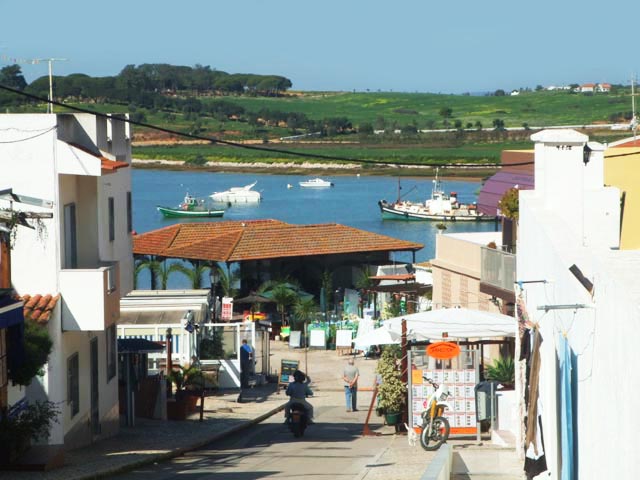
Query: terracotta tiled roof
(111, 165)
(39, 307)
(261, 239)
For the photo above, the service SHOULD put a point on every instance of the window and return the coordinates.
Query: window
(70, 237)
(112, 220)
(73, 384)
(129, 213)
(110, 335)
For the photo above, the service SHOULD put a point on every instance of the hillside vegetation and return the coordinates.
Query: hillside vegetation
(390, 127)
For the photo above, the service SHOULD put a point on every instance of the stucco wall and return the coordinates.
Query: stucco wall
(600, 330)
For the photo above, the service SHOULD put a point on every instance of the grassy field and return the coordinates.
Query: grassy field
(534, 109)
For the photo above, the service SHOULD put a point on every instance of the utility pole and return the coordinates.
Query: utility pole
(35, 61)
(50, 62)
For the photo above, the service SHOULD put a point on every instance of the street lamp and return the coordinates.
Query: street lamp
(214, 276)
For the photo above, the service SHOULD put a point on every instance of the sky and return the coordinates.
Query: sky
(331, 45)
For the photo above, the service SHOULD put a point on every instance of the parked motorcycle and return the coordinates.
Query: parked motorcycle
(297, 420)
(435, 428)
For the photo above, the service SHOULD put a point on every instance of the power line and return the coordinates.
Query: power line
(265, 149)
(253, 147)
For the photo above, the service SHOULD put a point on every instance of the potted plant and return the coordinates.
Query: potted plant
(188, 382)
(392, 392)
(23, 424)
(503, 371)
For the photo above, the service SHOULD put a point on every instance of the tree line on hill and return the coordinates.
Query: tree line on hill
(135, 83)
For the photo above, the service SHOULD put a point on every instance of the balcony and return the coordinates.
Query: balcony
(497, 273)
(90, 298)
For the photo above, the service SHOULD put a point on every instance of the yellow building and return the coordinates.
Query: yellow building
(622, 170)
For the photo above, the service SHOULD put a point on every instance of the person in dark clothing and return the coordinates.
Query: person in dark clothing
(299, 391)
(246, 360)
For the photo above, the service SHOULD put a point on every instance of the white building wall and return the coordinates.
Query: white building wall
(601, 336)
(31, 148)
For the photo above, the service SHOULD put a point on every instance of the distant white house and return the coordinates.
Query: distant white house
(78, 164)
(587, 87)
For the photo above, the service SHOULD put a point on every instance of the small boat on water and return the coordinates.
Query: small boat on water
(316, 183)
(238, 195)
(190, 207)
(440, 207)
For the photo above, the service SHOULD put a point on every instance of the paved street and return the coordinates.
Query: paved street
(248, 440)
(333, 448)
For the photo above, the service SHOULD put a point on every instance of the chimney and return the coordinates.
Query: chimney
(569, 181)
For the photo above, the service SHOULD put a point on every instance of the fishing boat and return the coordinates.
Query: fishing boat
(316, 183)
(238, 195)
(190, 207)
(440, 207)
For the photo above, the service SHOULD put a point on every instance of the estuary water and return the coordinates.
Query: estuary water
(353, 201)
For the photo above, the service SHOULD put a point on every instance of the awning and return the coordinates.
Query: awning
(138, 345)
(11, 314)
(452, 323)
(159, 317)
(494, 188)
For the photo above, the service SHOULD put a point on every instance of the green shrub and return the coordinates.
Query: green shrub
(502, 370)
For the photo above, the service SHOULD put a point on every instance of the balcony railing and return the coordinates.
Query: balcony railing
(498, 269)
(90, 298)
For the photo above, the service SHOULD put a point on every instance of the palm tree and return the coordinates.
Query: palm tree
(283, 298)
(194, 274)
(304, 310)
(364, 283)
(227, 279)
(148, 263)
(282, 294)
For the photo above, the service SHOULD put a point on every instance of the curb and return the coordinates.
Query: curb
(177, 451)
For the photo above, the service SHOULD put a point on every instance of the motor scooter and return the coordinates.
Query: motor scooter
(298, 419)
(435, 427)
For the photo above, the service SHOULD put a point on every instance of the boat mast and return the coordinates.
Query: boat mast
(436, 185)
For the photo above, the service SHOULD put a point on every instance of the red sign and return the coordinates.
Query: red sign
(443, 350)
(227, 308)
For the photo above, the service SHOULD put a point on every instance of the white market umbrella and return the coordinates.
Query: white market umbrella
(455, 322)
(378, 336)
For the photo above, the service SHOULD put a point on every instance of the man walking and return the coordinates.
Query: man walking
(350, 377)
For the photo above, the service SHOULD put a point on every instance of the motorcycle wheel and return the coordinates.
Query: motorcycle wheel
(439, 434)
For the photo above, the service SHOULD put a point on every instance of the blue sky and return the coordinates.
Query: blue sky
(405, 45)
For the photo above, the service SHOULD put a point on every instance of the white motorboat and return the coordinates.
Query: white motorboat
(316, 183)
(238, 195)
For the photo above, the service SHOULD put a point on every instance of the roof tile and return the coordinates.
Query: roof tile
(236, 241)
(39, 307)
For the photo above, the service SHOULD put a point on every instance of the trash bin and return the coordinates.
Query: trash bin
(485, 393)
